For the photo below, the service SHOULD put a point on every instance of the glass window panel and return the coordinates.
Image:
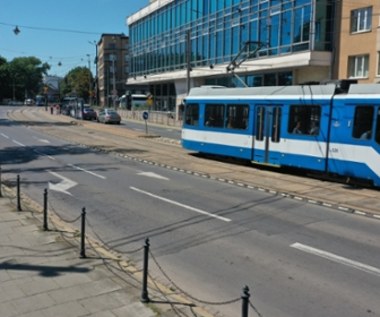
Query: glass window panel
(237, 117)
(304, 119)
(276, 124)
(363, 120)
(214, 115)
(377, 135)
(260, 119)
(192, 114)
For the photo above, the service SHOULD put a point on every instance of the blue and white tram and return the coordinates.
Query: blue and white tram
(310, 127)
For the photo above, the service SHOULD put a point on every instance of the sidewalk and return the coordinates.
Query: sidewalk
(42, 274)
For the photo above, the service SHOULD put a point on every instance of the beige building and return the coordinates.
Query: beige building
(358, 41)
(112, 68)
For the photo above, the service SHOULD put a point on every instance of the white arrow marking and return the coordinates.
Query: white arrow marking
(153, 175)
(181, 205)
(62, 186)
(336, 258)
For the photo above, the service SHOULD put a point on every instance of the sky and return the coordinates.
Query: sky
(61, 32)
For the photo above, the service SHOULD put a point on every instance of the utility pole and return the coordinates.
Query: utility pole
(89, 81)
(188, 60)
(114, 91)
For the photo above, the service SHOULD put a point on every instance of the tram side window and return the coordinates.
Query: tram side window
(304, 120)
(363, 122)
(214, 115)
(377, 139)
(192, 114)
(237, 117)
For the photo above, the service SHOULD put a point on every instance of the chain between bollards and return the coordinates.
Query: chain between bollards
(144, 294)
(18, 194)
(245, 301)
(83, 234)
(45, 210)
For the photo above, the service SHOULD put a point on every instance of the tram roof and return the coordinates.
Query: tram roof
(364, 89)
(264, 90)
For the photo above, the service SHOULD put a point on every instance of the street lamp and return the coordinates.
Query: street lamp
(16, 30)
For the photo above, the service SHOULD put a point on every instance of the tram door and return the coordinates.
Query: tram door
(267, 134)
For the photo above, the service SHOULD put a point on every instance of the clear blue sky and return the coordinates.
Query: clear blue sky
(60, 31)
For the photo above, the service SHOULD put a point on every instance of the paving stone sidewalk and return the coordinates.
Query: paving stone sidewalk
(42, 274)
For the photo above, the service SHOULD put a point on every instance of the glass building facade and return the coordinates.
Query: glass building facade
(170, 36)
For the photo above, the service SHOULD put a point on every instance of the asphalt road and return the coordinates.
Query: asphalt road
(210, 237)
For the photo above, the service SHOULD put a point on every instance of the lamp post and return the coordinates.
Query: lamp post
(188, 61)
(96, 70)
(89, 81)
(114, 91)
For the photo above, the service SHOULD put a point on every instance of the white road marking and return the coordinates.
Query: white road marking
(336, 258)
(180, 204)
(64, 185)
(153, 175)
(42, 140)
(18, 143)
(43, 154)
(86, 171)
(5, 136)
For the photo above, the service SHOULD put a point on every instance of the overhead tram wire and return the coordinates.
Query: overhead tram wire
(49, 29)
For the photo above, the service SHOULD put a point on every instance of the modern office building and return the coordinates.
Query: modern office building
(112, 68)
(179, 44)
(358, 49)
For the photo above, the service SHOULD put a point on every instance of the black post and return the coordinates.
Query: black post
(144, 294)
(83, 235)
(245, 301)
(18, 194)
(45, 210)
(1, 193)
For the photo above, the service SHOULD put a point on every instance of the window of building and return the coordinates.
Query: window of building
(363, 122)
(237, 117)
(214, 115)
(304, 119)
(192, 114)
(358, 66)
(361, 20)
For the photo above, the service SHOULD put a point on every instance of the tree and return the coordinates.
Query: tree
(22, 77)
(5, 91)
(77, 83)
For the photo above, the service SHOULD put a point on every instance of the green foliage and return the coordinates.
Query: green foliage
(21, 77)
(77, 83)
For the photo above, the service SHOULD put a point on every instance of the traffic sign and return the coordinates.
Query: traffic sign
(145, 115)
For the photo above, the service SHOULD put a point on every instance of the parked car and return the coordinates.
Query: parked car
(29, 102)
(108, 116)
(89, 114)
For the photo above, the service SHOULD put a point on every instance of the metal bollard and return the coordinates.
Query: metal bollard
(144, 294)
(18, 194)
(45, 210)
(83, 234)
(245, 301)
